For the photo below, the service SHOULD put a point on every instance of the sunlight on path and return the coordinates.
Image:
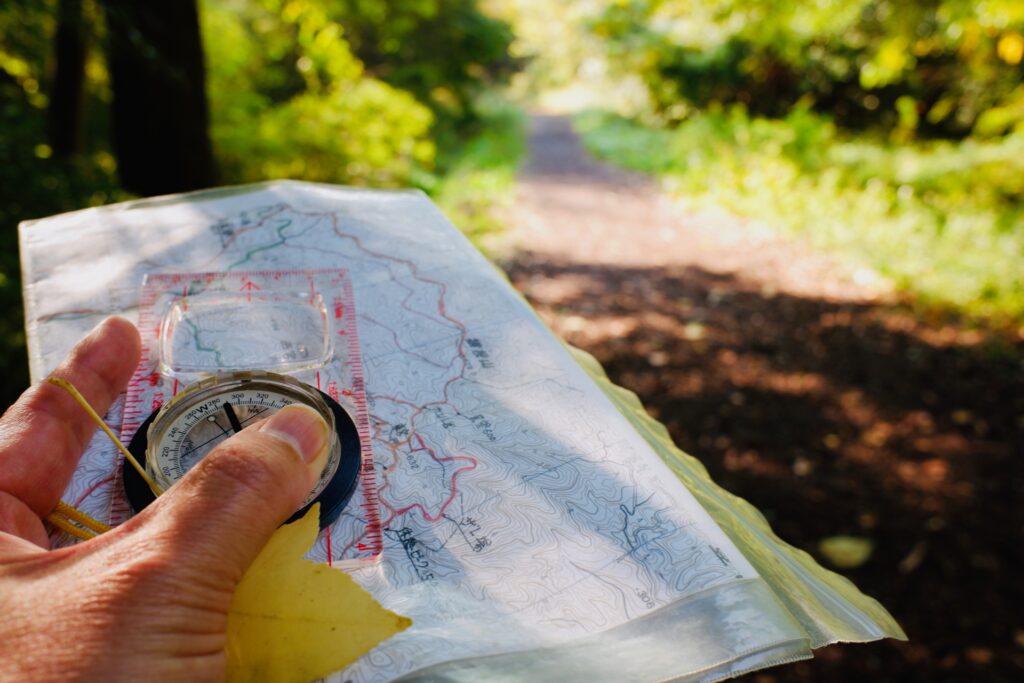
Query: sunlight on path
(573, 208)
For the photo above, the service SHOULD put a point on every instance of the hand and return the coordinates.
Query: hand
(149, 599)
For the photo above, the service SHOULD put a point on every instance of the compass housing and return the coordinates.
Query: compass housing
(172, 439)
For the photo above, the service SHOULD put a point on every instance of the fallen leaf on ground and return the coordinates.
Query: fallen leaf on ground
(295, 620)
(846, 552)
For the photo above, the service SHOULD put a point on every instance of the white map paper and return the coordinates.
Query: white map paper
(520, 510)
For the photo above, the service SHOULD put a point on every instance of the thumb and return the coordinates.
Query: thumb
(221, 514)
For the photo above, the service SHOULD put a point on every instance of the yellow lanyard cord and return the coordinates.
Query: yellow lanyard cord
(70, 388)
(69, 519)
(75, 522)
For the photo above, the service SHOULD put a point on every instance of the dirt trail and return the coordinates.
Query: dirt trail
(805, 388)
(573, 207)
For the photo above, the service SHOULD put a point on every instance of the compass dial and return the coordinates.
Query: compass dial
(191, 434)
(208, 412)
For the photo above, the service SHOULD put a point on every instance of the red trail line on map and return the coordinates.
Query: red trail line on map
(445, 400)
(472, 464)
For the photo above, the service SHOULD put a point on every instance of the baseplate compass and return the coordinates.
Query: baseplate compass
(204, 414)
(222, 350)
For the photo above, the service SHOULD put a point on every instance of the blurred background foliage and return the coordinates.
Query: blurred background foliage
(289, 98)
(934, 68)
(890, 131)
(337, 91)
(347, 91)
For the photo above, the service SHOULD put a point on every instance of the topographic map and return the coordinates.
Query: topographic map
(519, 510)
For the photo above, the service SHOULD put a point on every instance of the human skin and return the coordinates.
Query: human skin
(147, 600)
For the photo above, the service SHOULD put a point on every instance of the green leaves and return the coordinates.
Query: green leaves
(941, 219)
(345, 91)
(869, 63)
(290, 99)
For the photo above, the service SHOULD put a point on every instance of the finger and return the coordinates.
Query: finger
(222, 512)
(44, 433)
(18, 520)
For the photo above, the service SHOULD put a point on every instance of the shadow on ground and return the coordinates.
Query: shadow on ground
(833, 418)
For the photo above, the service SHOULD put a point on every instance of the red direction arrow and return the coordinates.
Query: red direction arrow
(247, 288)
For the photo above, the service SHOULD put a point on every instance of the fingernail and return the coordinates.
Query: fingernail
(301, 427)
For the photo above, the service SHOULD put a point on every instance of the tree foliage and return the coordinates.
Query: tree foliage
(940, 67)
(353, 91)
(445, 52)
(345, 91)
(939, 219)
(290, 99)
(888, 131)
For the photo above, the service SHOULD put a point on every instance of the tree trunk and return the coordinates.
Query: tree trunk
(67, 96)
(160, 118)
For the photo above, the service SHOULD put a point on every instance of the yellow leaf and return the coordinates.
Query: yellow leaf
(846, 552)
(294, 620)
(1010, 48)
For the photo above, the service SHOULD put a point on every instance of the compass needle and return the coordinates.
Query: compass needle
(232, 418)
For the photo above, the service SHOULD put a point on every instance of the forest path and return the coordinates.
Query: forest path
(572, 207)
(803, 387)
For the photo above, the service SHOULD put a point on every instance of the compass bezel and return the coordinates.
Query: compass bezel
(335, 494)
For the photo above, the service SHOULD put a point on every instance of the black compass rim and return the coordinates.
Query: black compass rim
(333, 499)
